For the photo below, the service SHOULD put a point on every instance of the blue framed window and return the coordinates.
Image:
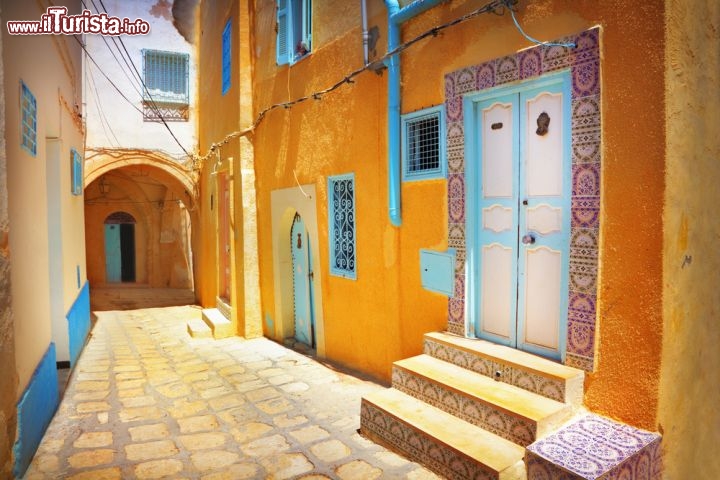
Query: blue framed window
(294, 30)
(76, 163)
(226, 56)
(423, 144)
(166, 76)
(341, 221)
(28, 124)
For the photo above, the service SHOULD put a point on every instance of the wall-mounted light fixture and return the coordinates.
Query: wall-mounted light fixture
(104, 186)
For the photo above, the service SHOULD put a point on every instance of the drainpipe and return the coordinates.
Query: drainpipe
(365, 34)
(396, 17)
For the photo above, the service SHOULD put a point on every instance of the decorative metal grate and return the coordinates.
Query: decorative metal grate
(342, 225)
(166, 81)
(171, 113)
(28, 127)
(423, 144)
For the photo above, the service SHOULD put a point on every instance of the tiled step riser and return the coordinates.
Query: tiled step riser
(385, 429)
(516, 429)
(596, 448)
(567, 392)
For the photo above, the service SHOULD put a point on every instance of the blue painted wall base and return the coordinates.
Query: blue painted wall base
(79, 323)
(35, 411)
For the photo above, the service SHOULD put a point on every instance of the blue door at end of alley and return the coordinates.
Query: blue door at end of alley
(113, 255)
(302, 283)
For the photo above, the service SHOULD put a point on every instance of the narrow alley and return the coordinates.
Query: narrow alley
(147, 401)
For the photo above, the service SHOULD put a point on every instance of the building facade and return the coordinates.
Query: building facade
(477, 183)
(45, 306)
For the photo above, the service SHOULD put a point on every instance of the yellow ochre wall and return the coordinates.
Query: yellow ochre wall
(381, 317)
(689, 412)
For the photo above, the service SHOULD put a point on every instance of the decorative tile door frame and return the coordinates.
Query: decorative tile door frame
(583, 61)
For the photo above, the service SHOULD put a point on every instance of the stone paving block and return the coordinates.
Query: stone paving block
(391, 459)
(91, 458)
(270, 372)
(92, 407)
(208, 384)
(263, 447)
(127, 368)
(93, 440)
(275, 406)
(295, 387)
(195, 377)
(286, 465)
(182, 408)
(309, 434)
(128, 384)
(133, 392)
(102, 418)
(174, 390)
(47, 463)
(92, 386)
(90, 396)
(103, 474)
(150, 450)
(242, 471)
(250, 431)
(262, 394)
(82, 376)
(358, 470)
(240, 415)
(247, 385)
(140, 401)
(213, 459)
(200, 423)
(128, 376)
(139, 414)
(232, 369)
(283, 421)
(228, 401)
(203, 441)
(331, 450)
(144, 433)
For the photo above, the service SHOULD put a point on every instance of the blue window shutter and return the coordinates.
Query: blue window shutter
(283, 32)
(307, 24)
(226, 57)
(77, 172)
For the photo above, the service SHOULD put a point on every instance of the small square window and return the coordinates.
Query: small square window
(166, 79)
(226, 57)
(28, 122)
(294, 30)
(76, 165)
(423, 144)
(341, 220)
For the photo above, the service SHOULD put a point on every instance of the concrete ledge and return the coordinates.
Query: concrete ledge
(198, 329)
(221, 327)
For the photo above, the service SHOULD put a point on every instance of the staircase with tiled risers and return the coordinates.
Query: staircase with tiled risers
(470, 409)
(467, 408)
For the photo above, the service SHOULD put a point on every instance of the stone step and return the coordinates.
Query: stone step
(221, 327)
(521, 369)
(198, 329)
(596, 448)
(505, 410)
(443, 443)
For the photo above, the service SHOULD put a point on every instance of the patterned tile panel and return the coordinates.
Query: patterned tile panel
(419, 446)
(598, 448)
(517, 430)
(532, 382)
(584, 64)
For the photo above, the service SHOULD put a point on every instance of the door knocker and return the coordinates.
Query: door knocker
(299, 243)
(543, 122)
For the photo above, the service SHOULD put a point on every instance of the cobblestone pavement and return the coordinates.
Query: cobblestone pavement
(147, 401)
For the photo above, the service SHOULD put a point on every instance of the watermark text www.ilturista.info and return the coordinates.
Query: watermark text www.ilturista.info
(57, 22)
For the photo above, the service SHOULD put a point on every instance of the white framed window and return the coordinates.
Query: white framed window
(341, 222)
(28, 121)
(166, 78)
(294, 30)
(423, 144)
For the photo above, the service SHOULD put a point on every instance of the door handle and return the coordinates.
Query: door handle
(311, 275)
(528, 239)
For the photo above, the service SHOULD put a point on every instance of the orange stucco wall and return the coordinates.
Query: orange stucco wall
(381, 316)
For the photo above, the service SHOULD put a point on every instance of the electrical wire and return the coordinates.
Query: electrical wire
(534, 40)
(495, 6)
(103, 119)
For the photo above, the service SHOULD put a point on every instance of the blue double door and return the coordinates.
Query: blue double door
(303, 277)
(519, 217)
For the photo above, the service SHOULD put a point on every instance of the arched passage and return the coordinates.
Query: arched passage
(158, 194)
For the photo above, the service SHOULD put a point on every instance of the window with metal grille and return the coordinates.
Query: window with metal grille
(294, 30)
(226, 56)
(423, 144)
(76, 163)
(28, 122)
(341, 220)
(166, 81)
